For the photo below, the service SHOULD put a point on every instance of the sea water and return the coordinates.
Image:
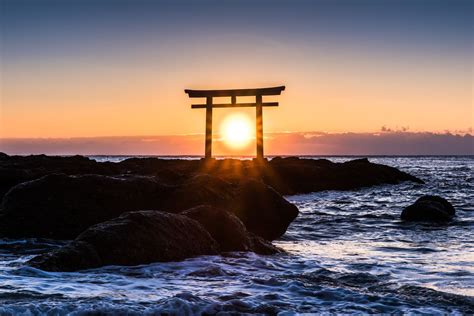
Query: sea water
(347, 252)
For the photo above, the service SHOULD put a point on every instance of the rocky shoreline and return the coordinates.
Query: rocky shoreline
(144, 210)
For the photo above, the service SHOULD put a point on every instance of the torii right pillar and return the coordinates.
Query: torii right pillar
(259, 129)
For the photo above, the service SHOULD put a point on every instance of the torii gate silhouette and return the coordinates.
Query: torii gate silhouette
(234, 93)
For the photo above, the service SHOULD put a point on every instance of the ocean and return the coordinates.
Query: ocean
(347, 252)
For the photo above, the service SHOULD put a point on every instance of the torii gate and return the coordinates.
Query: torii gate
(234, 93)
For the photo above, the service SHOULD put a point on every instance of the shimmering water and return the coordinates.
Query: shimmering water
(347, 252)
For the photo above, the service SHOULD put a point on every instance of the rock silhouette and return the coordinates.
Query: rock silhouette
(429, 208)
(133, 238)
(262, 210)
(286, 175)
(59, 206)
(142, 237)
(228, 230)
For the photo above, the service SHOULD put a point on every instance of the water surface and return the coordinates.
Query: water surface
(347, 252)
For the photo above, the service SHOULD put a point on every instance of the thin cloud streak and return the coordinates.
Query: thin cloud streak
(295, 143)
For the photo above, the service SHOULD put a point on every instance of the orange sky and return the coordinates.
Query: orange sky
(64, 100)
(123, 72)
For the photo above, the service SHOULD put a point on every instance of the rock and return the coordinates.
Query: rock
(61, 207)
(262, 246)
(200, 189)
(261, 209)
(134, 238)
(224, 227)
(295, 175)
(9, 177)
(228, 230)
(286, 175)
(429, 208)
(18, 169)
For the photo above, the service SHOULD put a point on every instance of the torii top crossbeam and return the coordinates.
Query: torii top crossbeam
(234, 93)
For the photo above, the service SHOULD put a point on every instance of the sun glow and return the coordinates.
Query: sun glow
(236, 130)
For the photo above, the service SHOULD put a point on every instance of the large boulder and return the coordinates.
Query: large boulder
(59, 206)
(228, 230)
(429, 208)
(139, 237)
(261, 209)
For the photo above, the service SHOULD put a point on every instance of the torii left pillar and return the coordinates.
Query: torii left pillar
(208, 145)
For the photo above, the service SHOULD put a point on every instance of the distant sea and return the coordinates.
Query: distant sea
(347, 252)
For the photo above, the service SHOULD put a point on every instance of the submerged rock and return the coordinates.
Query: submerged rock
(429, 208)
(228, 230)
(134, 238)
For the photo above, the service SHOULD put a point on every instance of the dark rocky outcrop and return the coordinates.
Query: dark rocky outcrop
(295, 175)
(18, 169)
(286, 175)
(133, 238)
(88, 192)
(429, 208)
(228, 230)
(61, 207)
(99, 204)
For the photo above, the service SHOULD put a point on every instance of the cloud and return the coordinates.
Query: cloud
(386, 142)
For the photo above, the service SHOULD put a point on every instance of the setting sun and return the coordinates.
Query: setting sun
(236, 130)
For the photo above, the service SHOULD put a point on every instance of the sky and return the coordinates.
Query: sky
(75, 69)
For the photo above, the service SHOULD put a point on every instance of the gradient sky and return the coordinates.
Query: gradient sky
(118, 68)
